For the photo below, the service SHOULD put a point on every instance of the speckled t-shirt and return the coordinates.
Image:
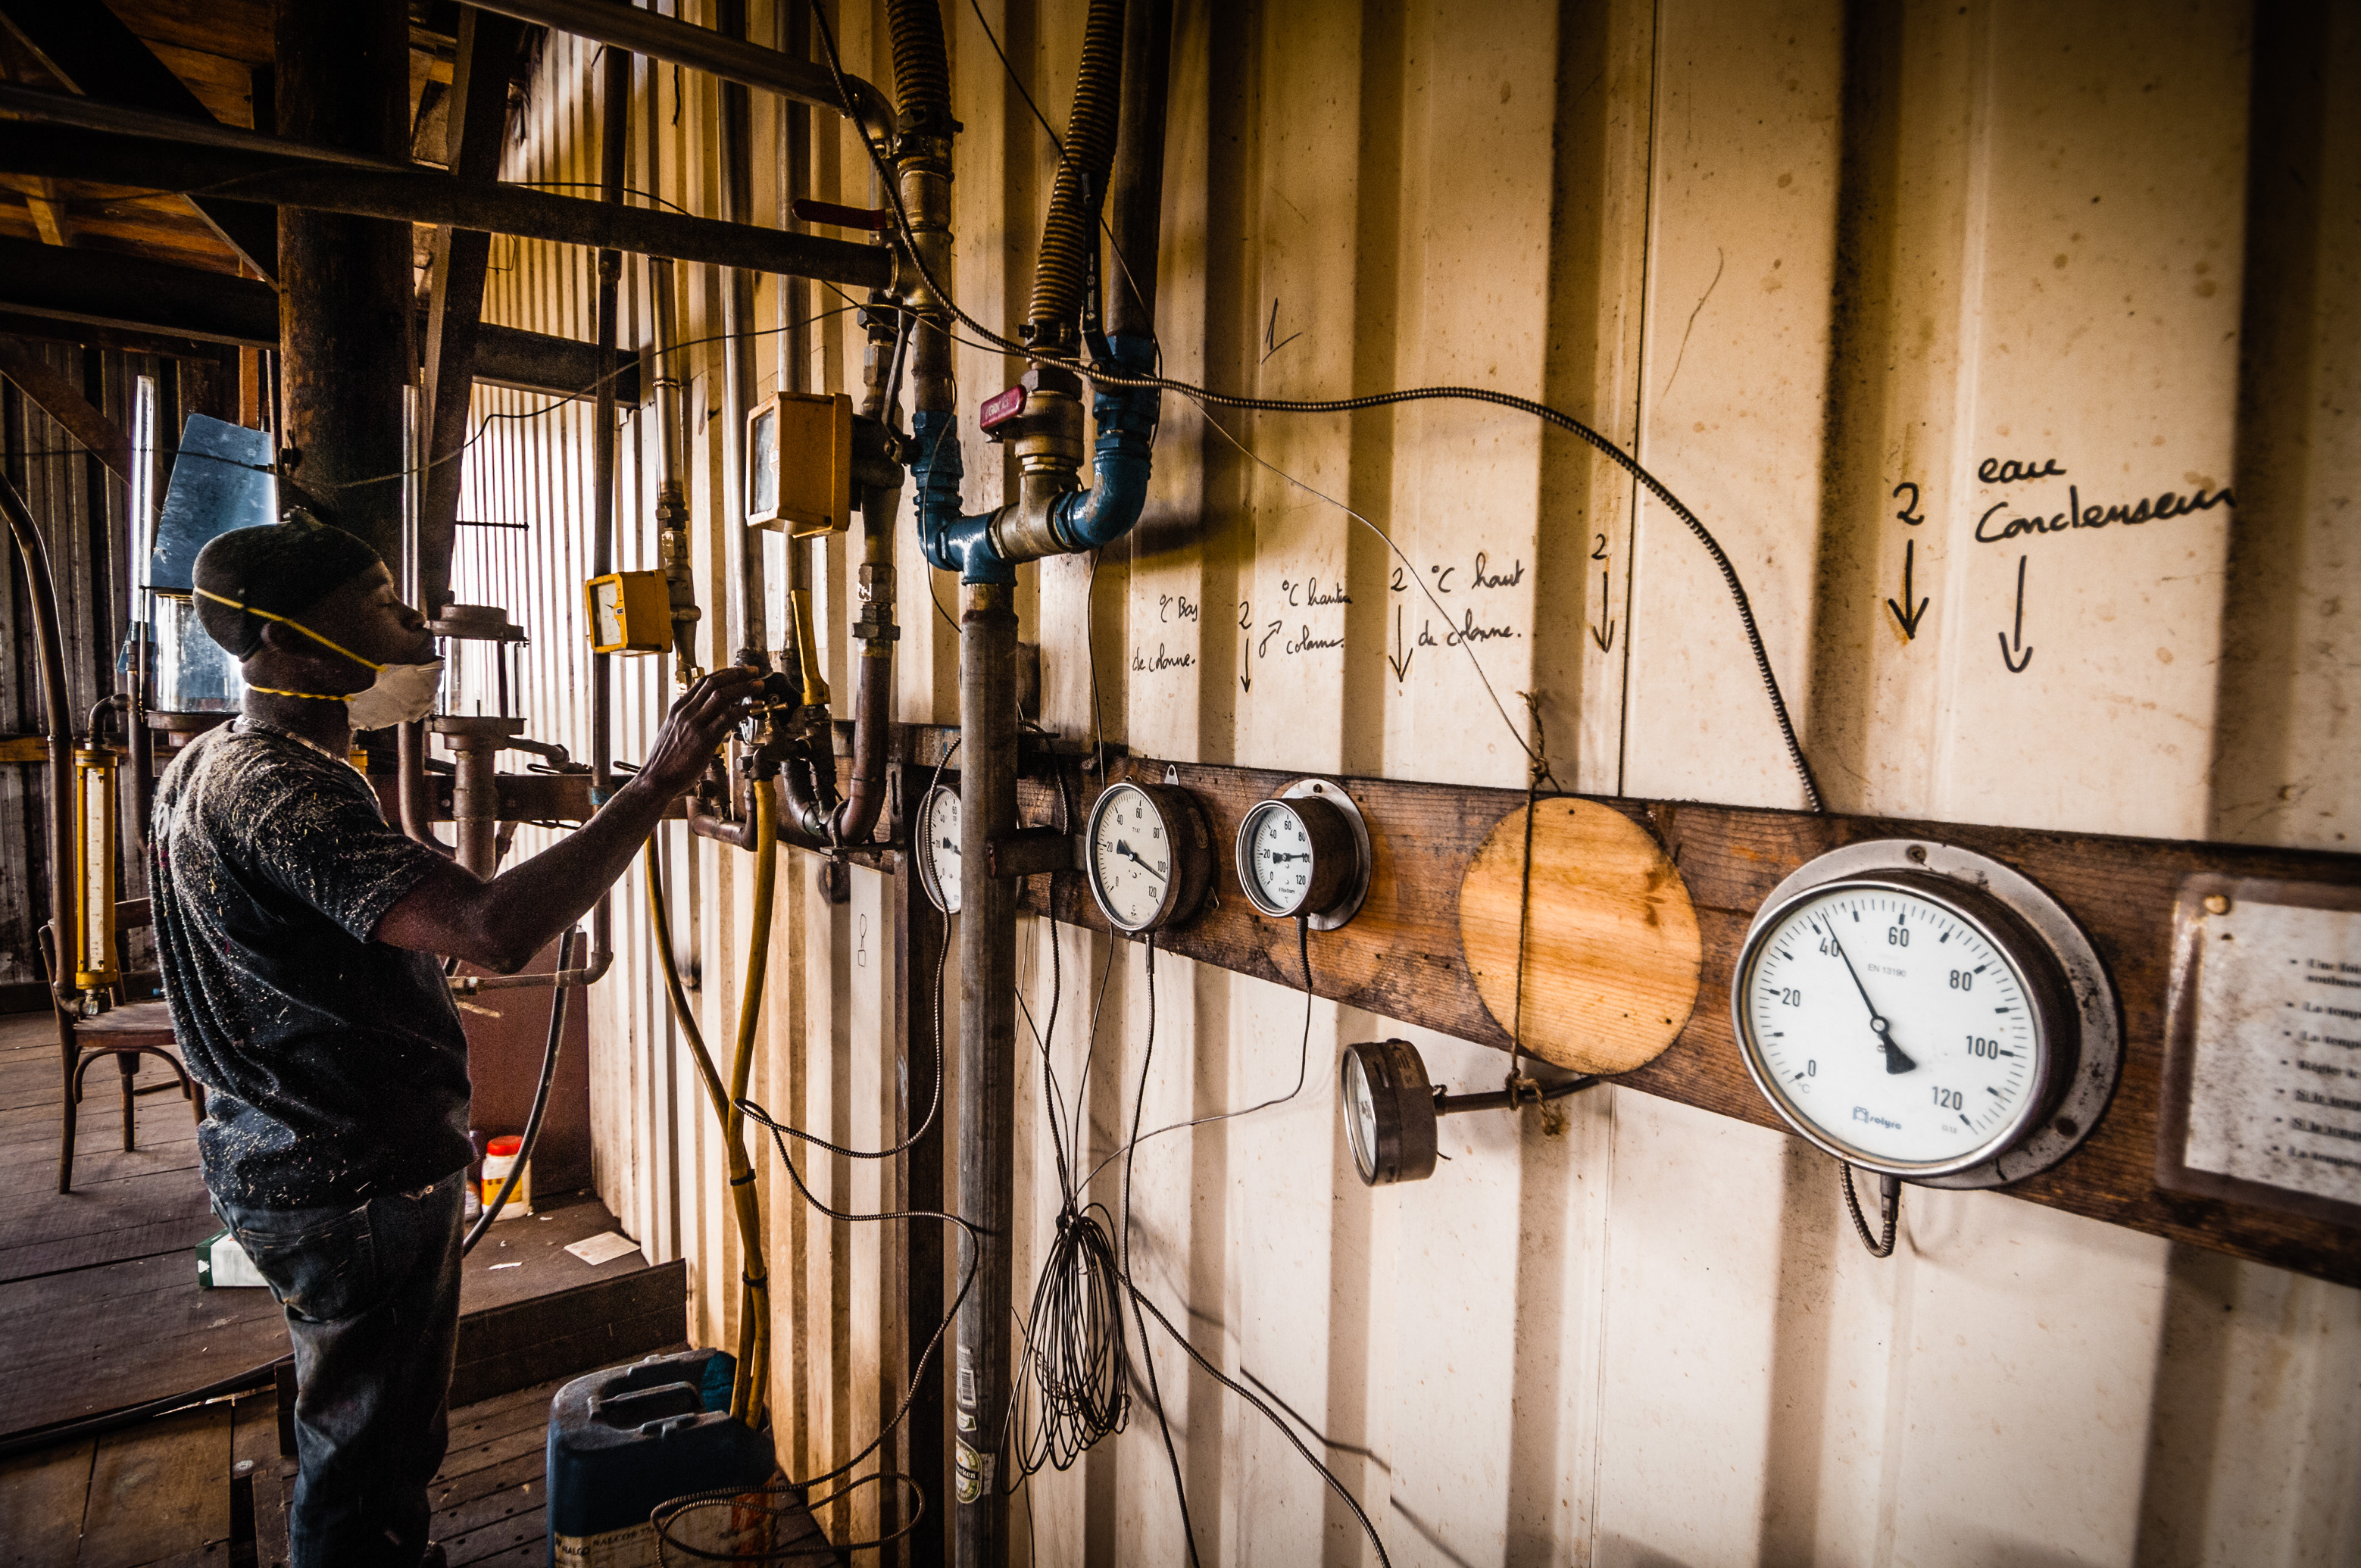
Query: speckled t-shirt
(334, 1067)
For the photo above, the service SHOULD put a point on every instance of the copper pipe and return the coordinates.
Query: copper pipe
(51, 649)
(417, 812)
(873, 711)
(736, 831)
(476, 802)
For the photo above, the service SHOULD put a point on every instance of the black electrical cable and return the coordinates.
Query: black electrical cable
(1889, 1204)
(1074, 1382)
(1155, 1393)
(33, 1439)
(755, 1111)
(484, 425)
(792, 1502)
(1139, 1298)
(540, 1096)
(1303, 1065)
(1108, 375)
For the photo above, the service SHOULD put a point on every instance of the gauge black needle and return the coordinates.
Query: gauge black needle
(1896, 1058)
(951, 845)
(1275, 857)
(1127, 851)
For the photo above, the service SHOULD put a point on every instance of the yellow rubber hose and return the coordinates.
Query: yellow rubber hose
(753, 1318)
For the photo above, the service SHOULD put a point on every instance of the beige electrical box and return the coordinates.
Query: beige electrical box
(629, 613)
(799, 464)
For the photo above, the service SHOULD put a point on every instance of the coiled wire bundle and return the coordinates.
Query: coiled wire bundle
(1076, 1387)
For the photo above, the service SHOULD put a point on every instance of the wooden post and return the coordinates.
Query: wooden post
(342, 81)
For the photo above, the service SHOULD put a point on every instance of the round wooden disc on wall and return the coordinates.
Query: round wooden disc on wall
(1611, 952)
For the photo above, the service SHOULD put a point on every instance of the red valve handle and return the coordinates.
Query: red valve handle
(876, 220)
(999, 410)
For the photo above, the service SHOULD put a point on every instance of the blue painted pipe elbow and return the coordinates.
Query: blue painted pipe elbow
(1121, 458)
(1078, 520)
(951, 542)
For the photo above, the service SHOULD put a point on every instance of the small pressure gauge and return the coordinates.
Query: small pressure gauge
(1926, 1013)
(1149, 855)
(937, 833)
(1388, 1112)
(1306, 852)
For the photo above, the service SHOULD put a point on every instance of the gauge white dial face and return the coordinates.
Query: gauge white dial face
(1360, 1114)
(1280, 852)
(939, 823)
(607, 602)
(1893, 1026)
(1131, 858)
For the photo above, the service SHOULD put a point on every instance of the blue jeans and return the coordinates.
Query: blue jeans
(372, 1301)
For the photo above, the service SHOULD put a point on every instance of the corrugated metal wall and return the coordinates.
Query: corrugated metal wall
(82, 511)
(1825, 269)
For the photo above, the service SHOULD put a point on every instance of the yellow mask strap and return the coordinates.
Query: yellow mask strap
(298, 626)
(309, 697)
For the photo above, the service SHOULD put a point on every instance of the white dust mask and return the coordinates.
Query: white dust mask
(401, 694)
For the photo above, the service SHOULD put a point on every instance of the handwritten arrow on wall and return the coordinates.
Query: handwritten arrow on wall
(1908, 618)
(1606, 640)
(1403, 653)
(2014, 638)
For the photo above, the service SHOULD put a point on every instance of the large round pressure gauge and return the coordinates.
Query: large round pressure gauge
(1388, 1112)
(1305, 852)
(1924, 1025)
(937, 832)
(1149, 855)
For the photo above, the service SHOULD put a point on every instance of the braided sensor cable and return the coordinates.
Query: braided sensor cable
(1107, 376)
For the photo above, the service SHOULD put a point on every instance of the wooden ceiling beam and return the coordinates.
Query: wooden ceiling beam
(131, 294)
(86, 46)
(63, 402)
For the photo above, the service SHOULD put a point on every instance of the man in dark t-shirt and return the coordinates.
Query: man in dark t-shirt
(298, 935)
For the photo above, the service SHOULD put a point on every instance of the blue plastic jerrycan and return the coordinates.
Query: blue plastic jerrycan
(624, 1442)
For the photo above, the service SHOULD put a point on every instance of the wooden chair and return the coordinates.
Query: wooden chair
(125, 1031)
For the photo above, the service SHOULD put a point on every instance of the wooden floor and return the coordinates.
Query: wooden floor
(161, 1494)
(99, 1302)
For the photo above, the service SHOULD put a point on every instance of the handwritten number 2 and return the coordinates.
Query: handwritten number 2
(1909, 513)
(1599, 551)
(1246, 614)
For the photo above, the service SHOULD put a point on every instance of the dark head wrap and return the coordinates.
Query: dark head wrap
(282, 569)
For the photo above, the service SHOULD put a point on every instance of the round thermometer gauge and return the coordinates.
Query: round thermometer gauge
(1305, 852)
(1919, 1024)
(1149, 855)
(937, 832)
(1388, 1112)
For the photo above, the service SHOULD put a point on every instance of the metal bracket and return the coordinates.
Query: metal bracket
(1030, 852)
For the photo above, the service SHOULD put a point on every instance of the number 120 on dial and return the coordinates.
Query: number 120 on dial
(1897, 1025)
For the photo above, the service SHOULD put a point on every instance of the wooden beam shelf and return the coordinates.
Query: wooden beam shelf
(1401, 958)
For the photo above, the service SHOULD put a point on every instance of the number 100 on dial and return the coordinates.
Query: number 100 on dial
(1904, 1025)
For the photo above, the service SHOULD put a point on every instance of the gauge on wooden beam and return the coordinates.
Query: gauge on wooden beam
(936, 831)
(1149, 856)
(1926, 1013)
(1305, 853)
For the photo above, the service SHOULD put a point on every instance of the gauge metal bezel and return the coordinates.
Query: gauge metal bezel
(929, 874)
(2072, 1001)
(1334, 896)
(1185, 831)
(1401, 1101)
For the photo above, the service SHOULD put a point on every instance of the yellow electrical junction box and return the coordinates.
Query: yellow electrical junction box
(630, 612)
(799, 464)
